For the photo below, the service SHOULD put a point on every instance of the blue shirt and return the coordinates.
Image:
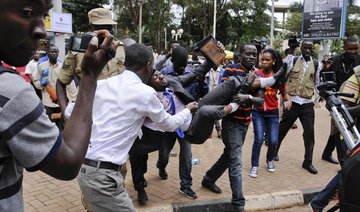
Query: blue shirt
(195, 89)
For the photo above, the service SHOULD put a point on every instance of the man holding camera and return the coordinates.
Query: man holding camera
(99, 18)
(343, 67)
(28, 138)
(303, 75)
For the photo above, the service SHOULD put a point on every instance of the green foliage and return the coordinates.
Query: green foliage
(237, 21)
(155, 17)
(79, 10)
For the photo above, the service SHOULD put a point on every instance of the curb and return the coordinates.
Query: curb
(276, 200)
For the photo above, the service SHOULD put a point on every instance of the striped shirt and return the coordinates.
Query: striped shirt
(27, 138)
(351, 86)
(243, 113)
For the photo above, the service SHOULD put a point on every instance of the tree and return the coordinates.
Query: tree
(155, 17)
(79, 10)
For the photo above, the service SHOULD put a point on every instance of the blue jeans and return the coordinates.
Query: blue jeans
(185, 164)
(233, 138)
(321, 200)
(185, 158)
(264, 122)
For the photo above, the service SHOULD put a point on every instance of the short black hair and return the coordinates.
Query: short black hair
(179, 55)
(137, 56)
(171, 42)
(51, 45)
(237, 57)
(350, 40)
(275, 56)
(242, 48)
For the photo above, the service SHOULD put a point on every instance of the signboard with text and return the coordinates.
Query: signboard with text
(59, 22)
(324, 19)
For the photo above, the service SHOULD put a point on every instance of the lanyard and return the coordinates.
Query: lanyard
(173, 110)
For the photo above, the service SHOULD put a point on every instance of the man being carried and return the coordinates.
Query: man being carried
(120, 107)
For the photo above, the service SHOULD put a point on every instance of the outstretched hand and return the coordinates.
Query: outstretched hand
(240, 98)
(96, 56)
(192, 106)
(250, 78)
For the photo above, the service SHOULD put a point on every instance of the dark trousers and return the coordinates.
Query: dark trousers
(334, 141)
(59, 122)
(306, 115)
(138, 155)
(212, 109)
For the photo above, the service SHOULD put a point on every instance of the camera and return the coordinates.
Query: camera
(259, 44)
(80, 44)
(328, 83)
(293, 41)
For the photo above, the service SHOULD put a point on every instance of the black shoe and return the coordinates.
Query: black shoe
(163, 174)
(308, 166)
(276, 158)
(330, 159)
(188, 192)
(142, 197)
(239, 209)
(211, 186)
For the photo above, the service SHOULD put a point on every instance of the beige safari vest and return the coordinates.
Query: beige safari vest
(300, 84)
(72, 66)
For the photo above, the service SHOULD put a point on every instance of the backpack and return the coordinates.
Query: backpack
(349, 189)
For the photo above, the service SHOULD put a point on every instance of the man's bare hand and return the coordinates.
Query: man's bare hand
(288, 105)
(241, 98)
(95, 58)
(250, 78)
(192, 106)
(220, 46)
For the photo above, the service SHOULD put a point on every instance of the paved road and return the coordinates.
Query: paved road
(43, 193)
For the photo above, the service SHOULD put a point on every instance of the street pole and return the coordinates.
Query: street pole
(165, 40)
(272, 24)
(59, 38)
(140, 20)
(214, 31)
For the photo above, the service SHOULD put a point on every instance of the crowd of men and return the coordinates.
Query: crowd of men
(129, 104)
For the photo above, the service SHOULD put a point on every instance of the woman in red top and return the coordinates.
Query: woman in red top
(266, 118)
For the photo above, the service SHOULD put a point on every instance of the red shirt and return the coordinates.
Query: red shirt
(271, 100)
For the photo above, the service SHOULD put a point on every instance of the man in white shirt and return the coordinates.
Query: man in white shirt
(120, 107)
(303, 76)
(30, 69)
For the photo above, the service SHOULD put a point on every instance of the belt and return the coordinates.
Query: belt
(102, 164)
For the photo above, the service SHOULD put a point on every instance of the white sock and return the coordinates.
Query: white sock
(234, 106)
(267, 81)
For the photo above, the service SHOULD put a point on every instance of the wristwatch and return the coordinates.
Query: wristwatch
(250, 97)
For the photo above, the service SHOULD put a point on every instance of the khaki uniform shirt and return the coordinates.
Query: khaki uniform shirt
(72, 66)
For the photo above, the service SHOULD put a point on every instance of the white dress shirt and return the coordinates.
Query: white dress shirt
(121, 105)
(166, 102)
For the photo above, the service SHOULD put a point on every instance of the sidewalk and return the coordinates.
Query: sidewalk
(43, 193)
